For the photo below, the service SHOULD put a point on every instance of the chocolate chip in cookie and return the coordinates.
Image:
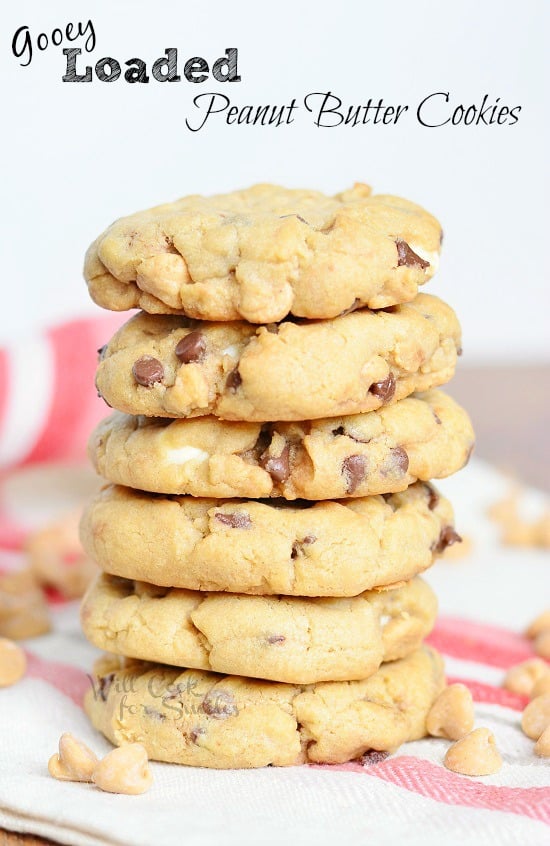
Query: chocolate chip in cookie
(354, 469)
(385, 389)
(278, 467)
(191, 348)
(234, 380)
(148, 371)
(407, 257)
(433, 497)
(447, 537)
(237, 520)
(220, 705)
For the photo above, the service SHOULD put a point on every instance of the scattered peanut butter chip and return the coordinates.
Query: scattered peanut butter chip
(124, 770)
(539, 624)
(542, 746)
(452, 714)
(541, 687)
(542, 644)
(536, 717)
(354, 469)
(23, 608)
(148, 371)
(476, 754)
(13, 662)
(75, 761)
(385, 389)
(521, 678)
(191, 348)
(407, 257)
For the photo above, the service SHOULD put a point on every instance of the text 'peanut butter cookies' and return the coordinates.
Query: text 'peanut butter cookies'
(244, 546)
(165, 366)
(265, 252)
(425, 436)
(288, 639)
(207, 720)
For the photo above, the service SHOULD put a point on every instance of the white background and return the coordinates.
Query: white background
(76, 156)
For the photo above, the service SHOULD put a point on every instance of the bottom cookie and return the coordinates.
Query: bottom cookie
(205, 719)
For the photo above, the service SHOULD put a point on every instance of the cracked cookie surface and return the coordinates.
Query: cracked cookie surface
(288, 639)
(246, 546)
(265, 252)
(208, 720)
(166, 366)
(424, 436)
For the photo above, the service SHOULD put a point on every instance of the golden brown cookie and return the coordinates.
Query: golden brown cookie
(287, 638)
(303, 549)
(265, 252)
(424, 436)
(207, 720)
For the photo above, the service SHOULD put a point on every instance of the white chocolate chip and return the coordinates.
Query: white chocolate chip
(187, 453)
(124, 770)
(474, 755)
(232, 350)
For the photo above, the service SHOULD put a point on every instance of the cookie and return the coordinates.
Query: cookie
(265, 252)
(207, 720)
(425, 436)
(308, 549)
(288, 639)
(166, 366)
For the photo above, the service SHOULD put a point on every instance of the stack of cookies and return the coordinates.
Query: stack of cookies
(269, 509)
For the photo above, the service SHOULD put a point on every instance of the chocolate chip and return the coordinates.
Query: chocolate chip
(400, 458)
(237, 520)
(437, 418)
(385, 389)
(220, 705)
(441, 236)
(195, 733)
(298, 545)
(233, 380)
(339, 431)
(147, 371)
(104, 684)
(276, 639)
(354, 468)
(101, 352)
(459, 351)
(153, 714)
(407, 257)
(191, 348)
(355, 304)
(282, 217)
(373, 757)
(277, 467)
(433, 497)
(447, 537)
(469, 453)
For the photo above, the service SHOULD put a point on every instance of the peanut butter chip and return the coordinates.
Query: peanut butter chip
(536, 717)
(191, 348)
(539, 624)
(384, 389)
(474, 755)
(407, 257)
(13, 662)
(147, 371)
(522, 677)
(542, 644)
(75, 761)
(541, 687)
(124, 770)
(452, 714)
(542, 746)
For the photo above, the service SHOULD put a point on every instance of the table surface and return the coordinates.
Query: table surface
(511, 414)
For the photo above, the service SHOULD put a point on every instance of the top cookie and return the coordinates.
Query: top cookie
(265, 252)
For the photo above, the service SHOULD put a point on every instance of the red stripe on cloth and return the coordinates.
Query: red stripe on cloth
(67, 679)
(441, 785)
(478, 642)
(75, 407)
(4, 387)
(491, 694)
